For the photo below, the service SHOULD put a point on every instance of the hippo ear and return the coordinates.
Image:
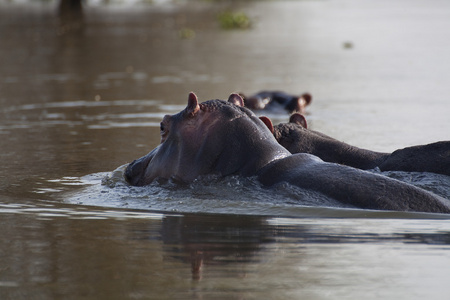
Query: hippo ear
(192, 107)
(236, 99)
(299, 120)
(307, 97)
(268, 123)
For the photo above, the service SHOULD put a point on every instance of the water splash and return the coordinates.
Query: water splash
(230, 195)
(435, 183)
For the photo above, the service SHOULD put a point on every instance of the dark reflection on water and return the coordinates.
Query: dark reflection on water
(74, 252)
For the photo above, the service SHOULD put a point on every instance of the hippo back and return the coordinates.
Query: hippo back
(297, 139)
(351, 186)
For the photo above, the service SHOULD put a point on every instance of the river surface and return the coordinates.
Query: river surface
(82, 95)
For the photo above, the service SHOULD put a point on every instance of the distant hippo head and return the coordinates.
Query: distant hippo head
(298, 104)
(274, 100)
(213, 137)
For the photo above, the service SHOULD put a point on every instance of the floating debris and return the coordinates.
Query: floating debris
(186, 33)
(230, 20)
(347, 45)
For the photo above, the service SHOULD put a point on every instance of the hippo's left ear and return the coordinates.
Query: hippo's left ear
(268, 123)
(298, 119)
(236, 99)
(192, 107)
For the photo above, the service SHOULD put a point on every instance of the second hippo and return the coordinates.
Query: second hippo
(296, 138)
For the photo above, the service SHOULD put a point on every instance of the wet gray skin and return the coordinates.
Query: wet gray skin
(213, 137)
(296, 138)
(224, 138)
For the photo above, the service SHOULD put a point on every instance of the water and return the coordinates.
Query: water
(79, 99)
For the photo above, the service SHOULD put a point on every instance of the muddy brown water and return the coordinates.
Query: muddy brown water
(80, 98)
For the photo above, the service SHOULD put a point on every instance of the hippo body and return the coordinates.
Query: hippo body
(296, 138)
(434, 157)
(348, 185)
(277, 100)
(224, 138)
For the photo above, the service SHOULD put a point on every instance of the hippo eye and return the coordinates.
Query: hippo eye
(163, 131)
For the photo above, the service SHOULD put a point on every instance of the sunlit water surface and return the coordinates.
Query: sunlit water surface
(80, 100)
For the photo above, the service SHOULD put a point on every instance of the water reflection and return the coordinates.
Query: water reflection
(95, 253)
(202, 241)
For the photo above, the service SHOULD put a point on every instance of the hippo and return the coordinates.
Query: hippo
(223, 138)
(276, 100)
(296, 138)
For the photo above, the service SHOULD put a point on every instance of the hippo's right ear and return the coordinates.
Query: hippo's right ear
(298, 119)
(307, 97)
(192, 107)
(236, 99)
(268, 123)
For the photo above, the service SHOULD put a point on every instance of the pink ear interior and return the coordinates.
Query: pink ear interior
(298, 119)
(268, 123)
(192, 106)
(236, 99)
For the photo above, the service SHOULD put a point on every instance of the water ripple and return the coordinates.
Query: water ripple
(238, 196)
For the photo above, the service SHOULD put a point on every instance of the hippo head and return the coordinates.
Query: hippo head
(298, 104)
(214, 137)
(293, 135)
(296, 120)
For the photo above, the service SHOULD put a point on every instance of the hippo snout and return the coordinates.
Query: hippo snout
(134, 172)
(128, 174)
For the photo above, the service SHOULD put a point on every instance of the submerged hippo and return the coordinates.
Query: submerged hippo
(276, 100)
(296, 138)
(224, 138)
